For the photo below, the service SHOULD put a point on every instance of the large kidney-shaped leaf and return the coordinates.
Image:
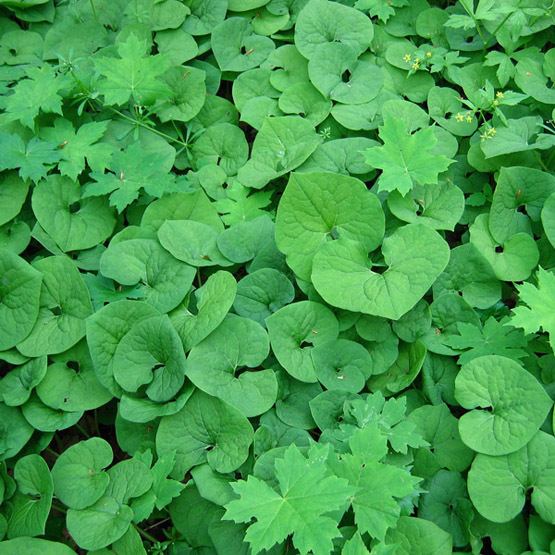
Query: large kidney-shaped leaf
(15, 431)
(518, 187)
(205, 430)
(72, 223)
(79, 478)
(34, 546)
(65, 304)
(71, 384)
(321, 22)
(213, 301)
(105, 330)
(163, 280)
(337, 73)
(281, 145)
(20, 286)
(415, 255)
(294, 330)
(12, 196)
(498, 486)
(237, 344)
(514, 405)
(28, 509)
(151, 354)
(318, 207)
(100, 524)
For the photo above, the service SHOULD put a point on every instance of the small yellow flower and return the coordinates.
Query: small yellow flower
(496, 102)
(407, 58)
(488, 134)
(428, 54)
(468, 118)
(417, 60)
(499, 94)
(415, 66)
(492, 131)
(459, 117)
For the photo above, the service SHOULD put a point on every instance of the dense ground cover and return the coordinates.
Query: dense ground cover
(276, 277)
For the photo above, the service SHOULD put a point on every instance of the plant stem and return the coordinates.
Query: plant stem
(146, 535)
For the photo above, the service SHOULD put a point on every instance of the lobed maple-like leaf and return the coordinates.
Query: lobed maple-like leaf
(406, 159)
(306, 495)
(540, 312)
(134, 75)
(38, 93)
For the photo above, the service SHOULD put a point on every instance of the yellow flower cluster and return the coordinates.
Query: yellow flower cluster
(460, 117)
(488, 134)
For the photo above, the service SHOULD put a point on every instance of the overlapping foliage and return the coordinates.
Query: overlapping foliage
(276, 276)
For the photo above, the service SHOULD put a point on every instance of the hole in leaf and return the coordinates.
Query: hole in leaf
(522, 209)
(419, 211)
(334, 233)
(498, 249)
(305, 344)
(243, 50)
(346, 76)
(157, 366)
(73, 365)
(209, 447)
(379, 269)
(57, 310)
(74, 207)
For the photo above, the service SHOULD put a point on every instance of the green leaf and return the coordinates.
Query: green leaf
(64, 306)
(153, 350)
(538, 314)
(162, 281)
(79, 478)
(74, 224)
(321, 22)
(17, 385)
(406, 159)
(341, 364)
(262, 293)
(15, 431)
(378, 486)
(106, 328)
(12, 196)
(415, 256)
(28, 509)
(281, 145)
(237, 345)
(20, 290)
(337, 73)
(514, 405)
(498, 486)
(33, 159)
(494, 338)
(71, 383)
(34, 546)
(416, 536)
(79, 146)
(300, 507)
(134, 75)
(446, 504)
(205, 430)
(295, 330)
(318, 207)
(236, 47)
(39, 92)
(131, 170)
(100, 524)
(213, 301)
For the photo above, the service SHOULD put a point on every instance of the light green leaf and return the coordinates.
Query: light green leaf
(514, 405)
(20, 289)
(498, 486)
(295, 330)
(415, 256)
(318, 207)
(205, 430)
(79, 478)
